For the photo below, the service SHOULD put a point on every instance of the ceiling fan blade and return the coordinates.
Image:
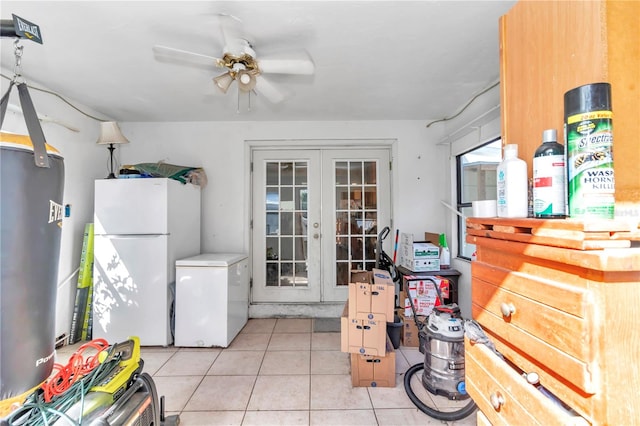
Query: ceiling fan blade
(166, 52)
(294, 63)
(268, 90)
(231, 34)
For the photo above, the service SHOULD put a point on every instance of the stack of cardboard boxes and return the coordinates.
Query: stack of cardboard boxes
(364, 328)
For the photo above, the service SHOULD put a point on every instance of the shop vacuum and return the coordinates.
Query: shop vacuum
(442, 343)
(441, 340)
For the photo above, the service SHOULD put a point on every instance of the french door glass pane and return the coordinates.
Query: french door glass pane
(355, 217)
(370, 175)
(286, 223)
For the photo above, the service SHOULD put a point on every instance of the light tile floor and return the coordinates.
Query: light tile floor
(277, 372)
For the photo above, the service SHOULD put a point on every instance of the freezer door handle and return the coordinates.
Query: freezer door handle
(132, 236)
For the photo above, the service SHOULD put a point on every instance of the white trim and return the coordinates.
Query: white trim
(475, 124)
(318, 143)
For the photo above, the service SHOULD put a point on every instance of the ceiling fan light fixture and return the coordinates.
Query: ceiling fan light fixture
(246, 80)
(223, 81)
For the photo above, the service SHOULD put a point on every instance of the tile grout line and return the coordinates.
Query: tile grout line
(246, 408)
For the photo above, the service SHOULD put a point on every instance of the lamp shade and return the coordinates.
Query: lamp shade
(246, 80)
(110, 133)
(223, 81)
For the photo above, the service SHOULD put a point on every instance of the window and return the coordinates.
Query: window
(476, 180)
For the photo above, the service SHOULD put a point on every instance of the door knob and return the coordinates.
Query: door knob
(316, 224)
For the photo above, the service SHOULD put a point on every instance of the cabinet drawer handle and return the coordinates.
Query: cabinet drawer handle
(497, 400)
(507, 309)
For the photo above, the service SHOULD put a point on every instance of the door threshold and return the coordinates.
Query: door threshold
(296, 310)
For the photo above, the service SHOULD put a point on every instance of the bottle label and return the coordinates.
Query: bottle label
(548, 186)
(502, 196)
(591, 183)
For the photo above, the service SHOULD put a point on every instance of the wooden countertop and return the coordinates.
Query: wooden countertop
(603, 245)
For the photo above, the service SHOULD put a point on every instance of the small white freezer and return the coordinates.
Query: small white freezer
(212, 299)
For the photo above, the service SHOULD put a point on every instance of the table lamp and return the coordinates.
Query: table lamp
(111, 135)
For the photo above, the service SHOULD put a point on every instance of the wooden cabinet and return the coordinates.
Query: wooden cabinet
(550, 47)
(562, 298)
(570, 315)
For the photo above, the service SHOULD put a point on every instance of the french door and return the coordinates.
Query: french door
(316, 215)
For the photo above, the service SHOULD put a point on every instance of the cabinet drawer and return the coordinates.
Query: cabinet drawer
(564, 342)
(564, 331)
(504, 396)
(543, 354)
(549, 287)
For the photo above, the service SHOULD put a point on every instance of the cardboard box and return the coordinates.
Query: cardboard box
(445, 286)
(422, 265)
(433, 238)
(419, 256)
(380, 276)
(364, 333)
(420, 285)
(358, 276)
(374, 371)
(423, 293)
(409, 336)
(377, 298)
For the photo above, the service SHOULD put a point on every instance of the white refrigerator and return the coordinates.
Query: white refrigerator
(141, 226)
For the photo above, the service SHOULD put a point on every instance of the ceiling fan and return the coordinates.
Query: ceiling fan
(242, 64)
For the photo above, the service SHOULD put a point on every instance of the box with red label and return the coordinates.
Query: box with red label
(423, 293)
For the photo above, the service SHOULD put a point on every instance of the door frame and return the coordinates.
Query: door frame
(292, 144)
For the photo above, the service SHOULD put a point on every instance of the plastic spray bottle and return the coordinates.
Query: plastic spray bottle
(513, 186)
(445, 256)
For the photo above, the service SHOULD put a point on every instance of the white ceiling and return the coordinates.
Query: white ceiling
(378, 60)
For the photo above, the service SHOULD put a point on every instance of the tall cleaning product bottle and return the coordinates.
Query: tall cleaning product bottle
(445, 255)
(589, 141)
(513, 185)
(549, 189)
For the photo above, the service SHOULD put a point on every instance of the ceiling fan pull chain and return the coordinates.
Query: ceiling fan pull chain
(238, 107)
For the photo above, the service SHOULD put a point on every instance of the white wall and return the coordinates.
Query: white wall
(478, 124)
(221, 149)
(83, 161)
